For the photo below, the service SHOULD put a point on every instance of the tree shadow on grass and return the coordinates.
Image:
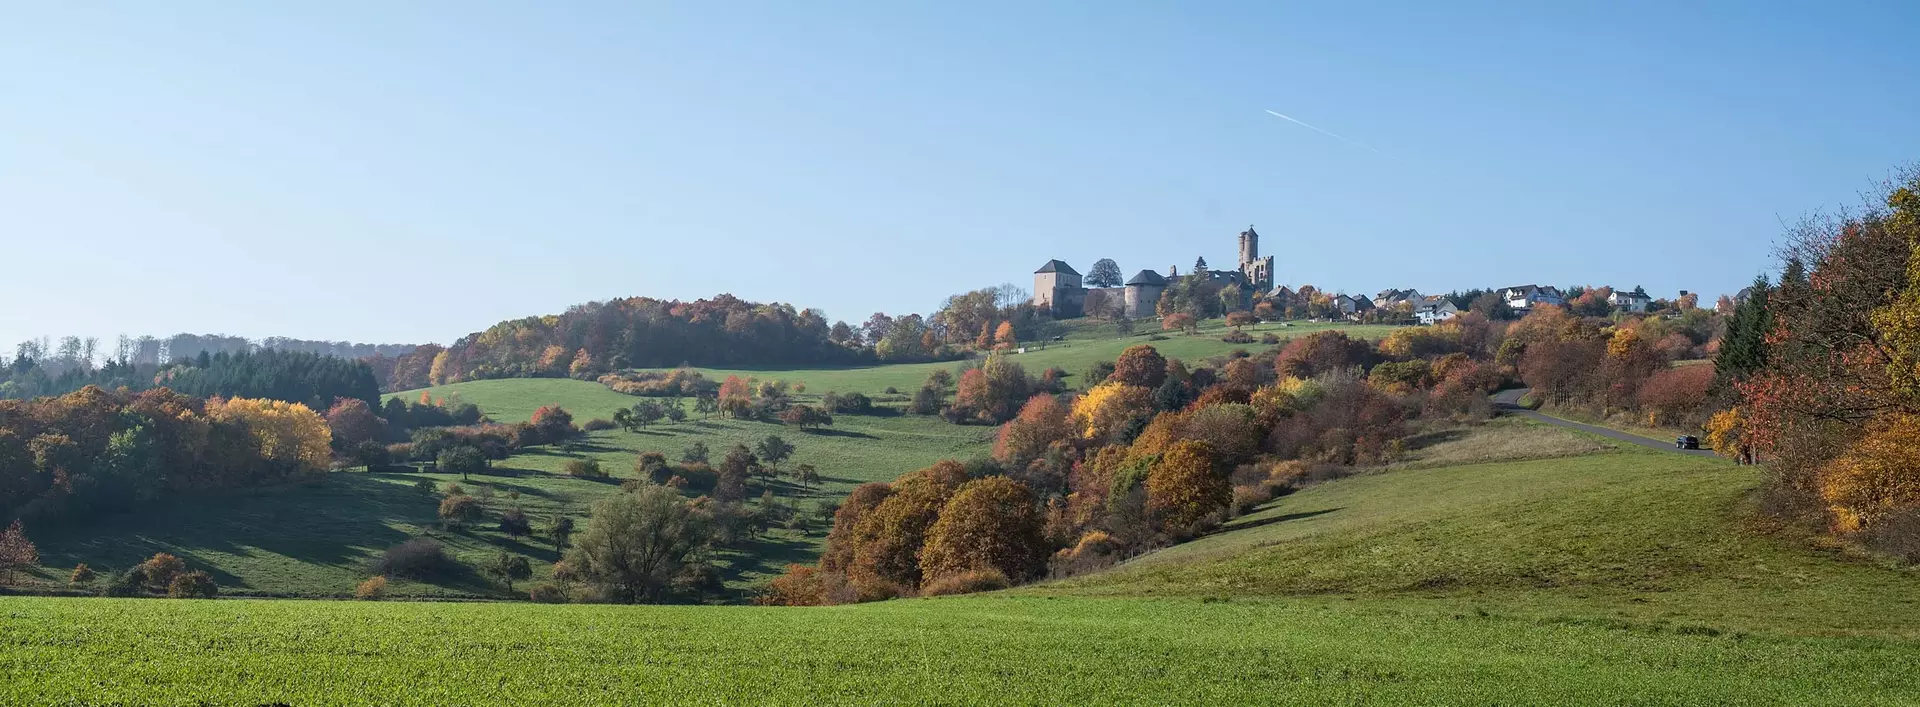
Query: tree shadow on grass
(839, 433)
(1277, 519)
(339, 523)
(1428, 439)
(767, 554)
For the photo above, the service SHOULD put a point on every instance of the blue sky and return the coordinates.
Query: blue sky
(398, 174)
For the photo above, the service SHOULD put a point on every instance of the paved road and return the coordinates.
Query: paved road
(1508, 402)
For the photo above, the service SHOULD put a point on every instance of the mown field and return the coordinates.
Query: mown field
(1606, 577)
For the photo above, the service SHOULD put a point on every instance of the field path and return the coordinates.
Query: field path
(1508, 402)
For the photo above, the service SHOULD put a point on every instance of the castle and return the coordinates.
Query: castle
(1059, 290)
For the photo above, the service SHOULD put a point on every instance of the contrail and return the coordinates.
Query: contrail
(1327, 133)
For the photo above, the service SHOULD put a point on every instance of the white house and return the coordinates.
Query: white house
(1430, 310)
(1635, 301)
(1522, 298)
(1389, 298)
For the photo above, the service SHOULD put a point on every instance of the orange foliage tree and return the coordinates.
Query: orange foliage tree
(1041, 422)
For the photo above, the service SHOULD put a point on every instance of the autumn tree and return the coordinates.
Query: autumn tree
(1041, 422)
(1140, 365)
(992, 523)
(351, 423)
(460, 510)
(17, 553)
(887, 542)
(507, 568)
(1183, 489)
(1109, 410)
(1180, 321)
(553, 423)
(1004, 337)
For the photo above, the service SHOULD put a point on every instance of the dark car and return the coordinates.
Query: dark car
(1686, 442)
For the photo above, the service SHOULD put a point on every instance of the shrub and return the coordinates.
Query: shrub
(458, 511)
(514, 523)
(192, 585)
(597, 424)
(1237, 337)
(986, 580)
(373, 588)
(424, 486)
(82, 574)
(547, 593)
(1269, 339)
(417, 558)
(1250, 496)
(587, 468)
(799, 586)
(892, 390)
(159, 571)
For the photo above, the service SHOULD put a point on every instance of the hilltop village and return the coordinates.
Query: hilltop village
(1064, 293)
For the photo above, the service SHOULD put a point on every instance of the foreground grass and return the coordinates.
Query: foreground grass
(989, 650)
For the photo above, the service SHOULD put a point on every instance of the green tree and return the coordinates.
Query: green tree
(462, 460)
(636, 545)
(507, 568)
(773, 450)
(1104, 273)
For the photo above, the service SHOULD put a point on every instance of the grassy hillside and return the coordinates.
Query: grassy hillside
(1615, 576)
(1075, 356)
(318, 540)
(1633, 535)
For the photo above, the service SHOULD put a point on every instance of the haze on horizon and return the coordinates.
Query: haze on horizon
(358, 171)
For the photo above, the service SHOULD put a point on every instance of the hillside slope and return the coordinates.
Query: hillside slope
(1636, 535)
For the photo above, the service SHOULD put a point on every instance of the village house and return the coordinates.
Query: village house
(1635, 301)
(1522, 298)
(1434, 309)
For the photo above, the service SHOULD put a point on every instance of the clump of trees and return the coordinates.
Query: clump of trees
(1823, 368)
(93, 450)
(1153, 453)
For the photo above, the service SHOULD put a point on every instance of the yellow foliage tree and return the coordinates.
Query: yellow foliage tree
(1108, 407)
(1003, 337)
(437, 373)
(1183, 489)
(1726, 433)
(1899, 321)
(287, 433)
(582, 365)
(1877, 476)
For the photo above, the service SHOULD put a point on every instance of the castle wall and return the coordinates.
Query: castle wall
(1141, 300)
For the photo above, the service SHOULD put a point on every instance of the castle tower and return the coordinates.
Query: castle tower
(1255, 270)
(1057, 289)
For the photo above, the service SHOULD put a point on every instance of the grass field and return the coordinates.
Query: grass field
(1609, 577)
(1075, 356)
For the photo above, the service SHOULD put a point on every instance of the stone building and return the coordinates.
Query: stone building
(1058, 289)
(1143, 293)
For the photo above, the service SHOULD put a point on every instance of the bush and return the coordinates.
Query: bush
(82, 574)
(374, 588)
(588, 468)
(417, 559)
(1237, 337)
(514, 523)
(1269, 339)
(1248, 497)
(597, 424)
(966, 583)
(547, 593)
(459, 510)
(159, 571)
(425, 487)
(892, 390)
(192, 585)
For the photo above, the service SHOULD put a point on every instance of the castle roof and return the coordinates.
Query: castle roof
(1147, 277)
(1056, 266)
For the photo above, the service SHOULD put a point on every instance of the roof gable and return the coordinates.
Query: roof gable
(1056, 266)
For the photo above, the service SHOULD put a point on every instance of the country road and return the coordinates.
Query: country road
(1508, 402)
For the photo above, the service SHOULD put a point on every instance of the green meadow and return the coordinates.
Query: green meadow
(1472, 575)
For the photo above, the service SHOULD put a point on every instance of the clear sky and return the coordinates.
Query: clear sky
(406, 172)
